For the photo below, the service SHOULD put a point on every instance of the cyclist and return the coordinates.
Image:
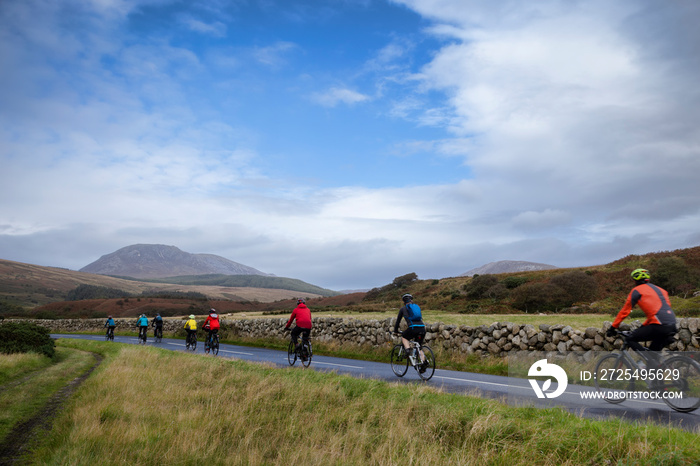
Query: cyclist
(302, 314)
(111, 325)
(191, 328)
(416, 328)
(157, 322)
(660, 326)
(211, 325)
(142, 324)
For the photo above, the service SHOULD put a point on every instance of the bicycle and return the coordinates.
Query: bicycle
(143, 335)
(109, 336)
(400, 360)
(676, 379)
(191, 342)
(304, 352)
(158, 334)
(212, 344)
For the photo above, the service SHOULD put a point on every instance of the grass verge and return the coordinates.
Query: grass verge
(22, 395)
(149, 406)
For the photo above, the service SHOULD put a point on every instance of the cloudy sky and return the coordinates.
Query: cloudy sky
(347, 142)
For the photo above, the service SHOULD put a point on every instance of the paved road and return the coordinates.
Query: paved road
(510, 390)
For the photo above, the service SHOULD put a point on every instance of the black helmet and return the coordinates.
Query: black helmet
(407, 298)
(301, 301)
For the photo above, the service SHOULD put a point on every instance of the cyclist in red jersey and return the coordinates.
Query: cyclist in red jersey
(660, 325)
(211, 325)
(302, 314)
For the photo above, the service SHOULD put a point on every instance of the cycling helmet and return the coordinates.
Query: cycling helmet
(109, 317)
(212, 311)
(407, 298)
(301, 301)
(640, 274)
(191, 316)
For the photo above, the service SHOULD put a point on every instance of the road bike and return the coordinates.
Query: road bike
(158, 334)
(674, 379)
(109, 336)
(212, 344)
(143, 335)
(303, 352)
(191, 341)
(400, 359)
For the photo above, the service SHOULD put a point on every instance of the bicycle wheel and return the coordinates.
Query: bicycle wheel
(679, 386)
(306, 354)
(215, 345)
(610, 378)
(426, 369)
(399, 361)
(159, 335)
(291, 354)
(107, 336)
(193, 345)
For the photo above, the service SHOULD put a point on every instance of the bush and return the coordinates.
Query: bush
(672, 274)
(578, 286)
(83, 292)
(539, 297)
(479, 285)
(25, 337)
(514, 282)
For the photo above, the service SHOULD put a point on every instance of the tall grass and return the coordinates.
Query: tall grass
(16, 364)
(150, 406)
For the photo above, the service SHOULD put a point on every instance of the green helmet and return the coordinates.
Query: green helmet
(640, 274)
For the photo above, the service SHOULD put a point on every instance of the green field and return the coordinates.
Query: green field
(151, 406)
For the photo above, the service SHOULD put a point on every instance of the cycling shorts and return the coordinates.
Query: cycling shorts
(414, 333)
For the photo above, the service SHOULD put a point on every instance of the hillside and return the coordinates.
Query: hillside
(597, 289)
(158, 261)
(30, 286)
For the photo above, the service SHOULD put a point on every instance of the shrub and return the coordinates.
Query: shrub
(578, 286)
(539, 297)
(479, 285)
(672, 274)
(25, 337)
(514, 282)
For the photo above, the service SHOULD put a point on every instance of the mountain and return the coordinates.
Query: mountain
(159, 261)
(507, 267)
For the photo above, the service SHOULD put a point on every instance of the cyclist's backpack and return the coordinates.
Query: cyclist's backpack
(413, 311)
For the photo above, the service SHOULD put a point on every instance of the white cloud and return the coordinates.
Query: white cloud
(336, 95)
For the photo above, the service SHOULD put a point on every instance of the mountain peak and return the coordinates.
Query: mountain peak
(507, 267)
(159, 261)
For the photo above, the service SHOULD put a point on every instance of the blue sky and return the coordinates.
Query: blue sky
(347, 142)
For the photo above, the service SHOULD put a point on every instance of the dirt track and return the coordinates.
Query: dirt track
(20, 439)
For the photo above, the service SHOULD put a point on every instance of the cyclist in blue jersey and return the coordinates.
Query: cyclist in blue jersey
(416, 328)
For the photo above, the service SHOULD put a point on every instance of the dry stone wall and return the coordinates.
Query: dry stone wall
(498, 338)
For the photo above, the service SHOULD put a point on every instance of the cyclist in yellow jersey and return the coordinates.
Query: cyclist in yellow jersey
(191, 327)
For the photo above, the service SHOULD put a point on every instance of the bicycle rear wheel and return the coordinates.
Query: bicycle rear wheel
(193, 343)
(610, 375)
(291, 353)
(306, 353)
(679, 386)
(215, 345)
(426, 369)
(399, 360)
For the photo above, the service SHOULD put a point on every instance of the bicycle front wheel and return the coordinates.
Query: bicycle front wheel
(426, 369)
(291, 353)
(306, 354)
(399, 360)
(611, 378)
(679, 384)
